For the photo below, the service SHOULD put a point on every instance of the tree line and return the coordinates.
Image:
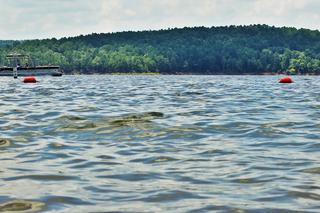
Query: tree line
(254, 49)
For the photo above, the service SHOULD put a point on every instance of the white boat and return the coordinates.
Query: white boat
(16, 69)
(28, 71)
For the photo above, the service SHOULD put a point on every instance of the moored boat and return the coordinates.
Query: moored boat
(35, 71)
(16, 69)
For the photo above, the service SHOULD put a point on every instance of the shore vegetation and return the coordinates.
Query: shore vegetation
(254, 49)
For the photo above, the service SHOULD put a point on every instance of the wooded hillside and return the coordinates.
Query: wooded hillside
(254, 49)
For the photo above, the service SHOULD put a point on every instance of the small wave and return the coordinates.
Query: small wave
(305, 195)
(216, 152)
(4, 142)
(154, 160)
(134, 144)
(172, 196)
(79, 126)
(315, 170)
(71, 118)
(65, 200)
(43, 177)
(76, 123)
(133, 177)
(21, 206)
(135, 118)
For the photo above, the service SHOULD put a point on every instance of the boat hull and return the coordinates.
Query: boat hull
(36, 71)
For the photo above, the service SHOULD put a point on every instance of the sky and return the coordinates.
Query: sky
(38, 19)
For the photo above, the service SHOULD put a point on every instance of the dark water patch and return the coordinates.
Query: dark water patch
(74, 123)
(43, 91)
(314, 147)
(94, 164)
(182, 129)
(315, 170)
(253, 180)
(47, 156)
(104, 190)
(191, 93)
(24, 170)
(154, 160)
(305, 195)
(16, 207)
(216, 152)
(4, 142)
(121, 211)
(312, 136)
(67, 118)
(53, 199)
(43, 178)
(308, 187)
(266, 210)
(133, 177)
(171, 196)
(80, 126)
(184, 178)
(22, 206)
(133, 119)
(264, 132)
(27, 155)
(43, 115)
(282, 198)
(106, 157)
(74, 162)
(204, 159)
(211, 208)
(127, 152)
(269, 168)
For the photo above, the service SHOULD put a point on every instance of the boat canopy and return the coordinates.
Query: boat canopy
(16, 55)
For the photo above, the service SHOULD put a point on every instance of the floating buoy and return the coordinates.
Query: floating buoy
(286, 80)
(30, 79)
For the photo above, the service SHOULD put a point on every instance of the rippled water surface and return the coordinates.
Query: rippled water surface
(160, 144)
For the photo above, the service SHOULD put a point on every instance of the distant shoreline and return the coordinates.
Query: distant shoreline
(190, 73)
(231, 50)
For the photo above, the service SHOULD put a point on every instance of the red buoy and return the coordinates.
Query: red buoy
(286, 80)
(30, 79)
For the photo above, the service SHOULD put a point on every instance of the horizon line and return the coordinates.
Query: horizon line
(160, 29)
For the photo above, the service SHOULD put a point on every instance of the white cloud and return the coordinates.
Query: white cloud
(23, 19)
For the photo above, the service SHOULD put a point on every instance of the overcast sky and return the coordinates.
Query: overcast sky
(28, 19)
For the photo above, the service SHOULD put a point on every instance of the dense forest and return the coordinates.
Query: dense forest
(6, 42)
(254, 49)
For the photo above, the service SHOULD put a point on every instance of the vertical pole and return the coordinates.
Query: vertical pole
(15, 72)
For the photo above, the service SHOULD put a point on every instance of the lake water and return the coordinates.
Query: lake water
(160, 144)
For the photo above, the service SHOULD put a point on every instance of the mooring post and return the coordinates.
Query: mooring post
(15, 72)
